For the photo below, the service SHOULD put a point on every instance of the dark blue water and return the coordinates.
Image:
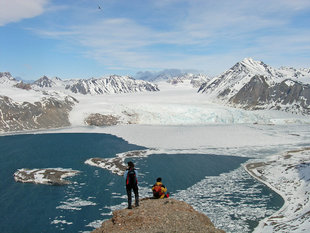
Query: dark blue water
(72, 208)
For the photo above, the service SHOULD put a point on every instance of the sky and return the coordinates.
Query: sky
(77, 39)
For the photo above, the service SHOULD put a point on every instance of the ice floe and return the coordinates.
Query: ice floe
(74, 203)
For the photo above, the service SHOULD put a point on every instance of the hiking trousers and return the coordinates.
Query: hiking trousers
(136, 192)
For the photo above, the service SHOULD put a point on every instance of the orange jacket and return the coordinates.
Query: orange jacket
(162, 191)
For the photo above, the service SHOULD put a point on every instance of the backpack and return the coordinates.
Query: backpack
(131, 178)
(157, 191)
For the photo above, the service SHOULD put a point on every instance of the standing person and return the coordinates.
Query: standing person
(131, 177)
(159, 190)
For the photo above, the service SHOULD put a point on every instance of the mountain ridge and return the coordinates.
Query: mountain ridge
(249, 85)
(112, 84)
(237, 87)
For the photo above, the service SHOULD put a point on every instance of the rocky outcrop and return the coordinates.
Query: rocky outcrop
(97, 119)
(47, 113)
(22, 85)
(158, 215)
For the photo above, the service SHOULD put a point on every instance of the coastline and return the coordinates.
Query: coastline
(244, 140)
(279, 173)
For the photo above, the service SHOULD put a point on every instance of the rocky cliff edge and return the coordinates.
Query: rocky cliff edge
(158, 215)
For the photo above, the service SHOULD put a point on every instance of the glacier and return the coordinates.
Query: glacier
(178, 119)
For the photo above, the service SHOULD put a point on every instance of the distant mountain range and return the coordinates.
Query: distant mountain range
(253, 85)
(174, 76)
(249, 84)
(96, 86)
(51, 100)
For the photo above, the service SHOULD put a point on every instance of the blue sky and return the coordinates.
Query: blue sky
(75, 39)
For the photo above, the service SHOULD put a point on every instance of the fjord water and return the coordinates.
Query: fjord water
(94, 192)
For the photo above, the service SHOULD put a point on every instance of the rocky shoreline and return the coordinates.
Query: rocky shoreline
(288, 175)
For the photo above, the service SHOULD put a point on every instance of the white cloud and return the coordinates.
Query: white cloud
(132, 44)
(16, 10)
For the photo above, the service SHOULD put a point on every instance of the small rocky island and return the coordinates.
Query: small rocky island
(158, 215)
(116, 164)
(50, 176)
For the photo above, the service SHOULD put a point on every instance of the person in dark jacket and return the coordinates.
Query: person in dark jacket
(131, 177)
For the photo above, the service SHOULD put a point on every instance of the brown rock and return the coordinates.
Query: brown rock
(158, 216)
(97, 119)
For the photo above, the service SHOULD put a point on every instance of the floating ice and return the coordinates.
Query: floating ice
(75, 204)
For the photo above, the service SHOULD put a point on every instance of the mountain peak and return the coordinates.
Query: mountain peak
(44, 82)
(7, 79)
(254, 84)
(5, 74)
(249, 60)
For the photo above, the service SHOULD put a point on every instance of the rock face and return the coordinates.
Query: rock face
(160, 215)
(288, 95)
(47, 113)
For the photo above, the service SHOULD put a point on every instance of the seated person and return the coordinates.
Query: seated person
(159, 190)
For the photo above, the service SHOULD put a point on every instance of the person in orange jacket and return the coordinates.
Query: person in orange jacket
(159, 190)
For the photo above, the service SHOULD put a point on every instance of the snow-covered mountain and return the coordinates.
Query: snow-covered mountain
(196, 80)
(47, 103)
(45, 82)
(249, 84)
(6, 79)
(95, 86)
(252, 84)
(160, 75)
(22, 108)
